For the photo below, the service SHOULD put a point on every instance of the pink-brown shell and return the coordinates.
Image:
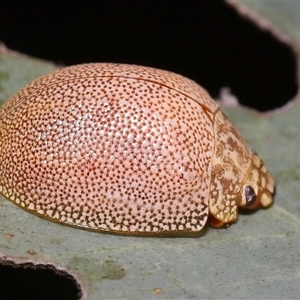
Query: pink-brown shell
(119, 148)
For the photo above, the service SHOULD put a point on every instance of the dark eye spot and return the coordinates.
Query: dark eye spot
(254, 152)
(250, 195)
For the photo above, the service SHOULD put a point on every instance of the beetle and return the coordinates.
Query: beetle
(126, 149)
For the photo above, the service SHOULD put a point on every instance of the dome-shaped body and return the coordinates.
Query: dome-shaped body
(125, 149)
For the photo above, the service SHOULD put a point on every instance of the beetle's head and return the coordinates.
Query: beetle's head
(258, 187)
(255, 191)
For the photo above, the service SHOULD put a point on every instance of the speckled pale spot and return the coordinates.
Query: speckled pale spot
(126, 149)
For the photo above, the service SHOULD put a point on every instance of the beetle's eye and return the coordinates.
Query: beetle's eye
(254, 152)
(250, 195)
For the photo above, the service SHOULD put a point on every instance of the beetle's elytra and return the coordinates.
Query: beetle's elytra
(126, 149)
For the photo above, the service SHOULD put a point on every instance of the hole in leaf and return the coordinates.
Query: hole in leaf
(204, 40)
(29, 281)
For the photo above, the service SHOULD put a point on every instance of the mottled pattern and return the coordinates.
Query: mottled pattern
(110, 147)
(234, 167)
(231, 161)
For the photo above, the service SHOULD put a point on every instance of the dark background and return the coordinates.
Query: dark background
(205, 40)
